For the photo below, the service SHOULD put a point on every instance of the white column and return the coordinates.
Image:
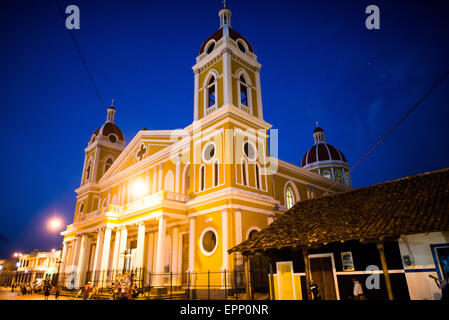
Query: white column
(150, 253)
(178, 176)
(104, 262)
(259, 96)
(238, 234)
(154, 179)
(195, 96)
(227, 78)
(192, 245)
(81, 261)
(160, 250)
(175, 254)
(155, 251)
(97, 257)
(116, 249)
(225, 235)
(122, 248)
(63, 264)
(159, 180)
(120, 202)
(140, 245)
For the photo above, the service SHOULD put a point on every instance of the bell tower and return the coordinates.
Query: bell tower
(227, 73)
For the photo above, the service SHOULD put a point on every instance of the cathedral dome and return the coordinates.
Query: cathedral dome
(322, 151)
(109, 130)
(206, 47)
(225, 29)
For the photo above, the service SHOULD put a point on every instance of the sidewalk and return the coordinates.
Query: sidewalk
(6, 294)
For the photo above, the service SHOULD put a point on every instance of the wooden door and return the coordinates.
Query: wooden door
(323, 275)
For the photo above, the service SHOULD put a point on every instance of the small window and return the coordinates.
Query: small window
(210, 48)
(257, 176)
(290, 199)
(113, 138)
(211, 92)
(338, 176)
(209, 152)
(241, 45)
(243, 92)
(252, 234)
(250, 151)
(202, 178)
(216, 173)
(208, 242)
(244, 172)
(326, 174)
(108, 164)
(88, 171)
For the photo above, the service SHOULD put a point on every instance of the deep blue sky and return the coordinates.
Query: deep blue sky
(319, 61)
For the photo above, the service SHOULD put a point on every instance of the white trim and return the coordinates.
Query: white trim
(293, 187)
(251, 229)
(279, 278)
(334, 271)
(204, 150)
(203, 251)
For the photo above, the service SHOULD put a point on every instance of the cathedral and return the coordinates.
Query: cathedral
(175, 201)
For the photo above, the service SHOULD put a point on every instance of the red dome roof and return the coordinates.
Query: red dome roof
(322, 152)
(219, 34)
(108, 128)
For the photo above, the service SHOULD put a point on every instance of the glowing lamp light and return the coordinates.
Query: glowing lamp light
(1, 267)
(139, 188)
(54, 224)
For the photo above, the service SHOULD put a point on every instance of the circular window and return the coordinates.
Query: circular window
(250, 150)
(208, 241)
(112, 138)
(208, 152)
(210, 47)
(241, 45)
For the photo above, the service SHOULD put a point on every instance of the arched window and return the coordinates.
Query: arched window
(257, 169)
(289, 198)
(216, 173)
(211, 94)
(169, 182)
(244, 173)
(338, 176)
(202, 178)
(326, 174)
(108, 164)
(81, 212)
(88, 171)
(243, 92)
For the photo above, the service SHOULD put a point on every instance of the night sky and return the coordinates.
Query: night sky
(319, 61)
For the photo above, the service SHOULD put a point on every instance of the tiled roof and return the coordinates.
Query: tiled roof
(415, 204)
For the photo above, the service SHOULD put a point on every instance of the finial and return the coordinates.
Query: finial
(112, 103)
(316, 123)
(224, 3)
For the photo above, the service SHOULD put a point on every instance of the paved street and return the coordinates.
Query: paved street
(6, 294)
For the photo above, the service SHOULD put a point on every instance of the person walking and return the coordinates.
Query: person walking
(315, 291)
(357, 291)
(57, 292)
(444, 286)
(47, 289)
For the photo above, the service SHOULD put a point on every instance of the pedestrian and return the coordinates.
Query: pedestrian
(357, 290)
(13, 286)
(47, 289)
(56, 292)
(315, 291)
(86, 291)
(444, 286)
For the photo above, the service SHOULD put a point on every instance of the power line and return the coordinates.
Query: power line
(81, 56)
(396, 125)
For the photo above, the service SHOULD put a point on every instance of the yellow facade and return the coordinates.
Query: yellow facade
(177, 200)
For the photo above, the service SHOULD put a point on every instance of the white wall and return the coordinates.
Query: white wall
(418, 247)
